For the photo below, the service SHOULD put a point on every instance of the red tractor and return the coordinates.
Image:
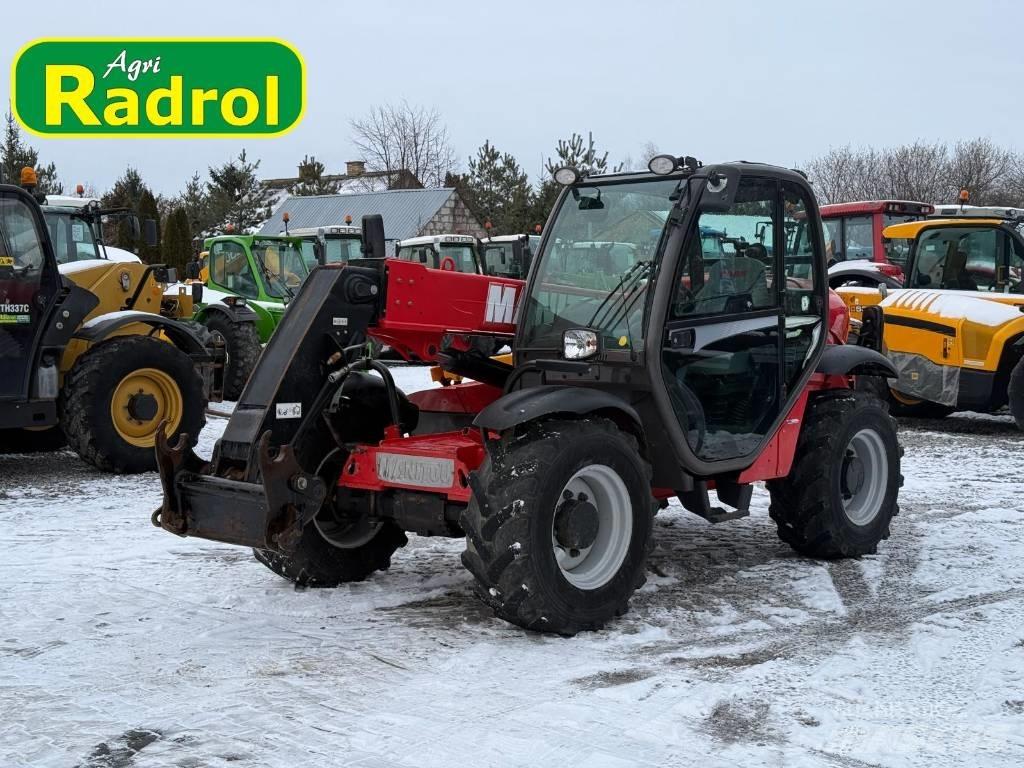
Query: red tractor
(645, 367)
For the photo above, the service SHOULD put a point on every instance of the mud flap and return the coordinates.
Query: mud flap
(270, 515)
(922, 379)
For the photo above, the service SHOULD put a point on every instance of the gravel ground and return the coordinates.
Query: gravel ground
(122, 645)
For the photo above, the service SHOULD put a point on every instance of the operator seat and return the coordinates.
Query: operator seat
(955, 275)
(733, 278)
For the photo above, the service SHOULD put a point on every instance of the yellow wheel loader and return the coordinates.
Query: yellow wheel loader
(86, 352)
(955, 331)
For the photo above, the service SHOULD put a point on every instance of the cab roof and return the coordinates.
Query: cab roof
(430, 239)
(346, 230)
(911, 229)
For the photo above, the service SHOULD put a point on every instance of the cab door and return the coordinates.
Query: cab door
(741, 332)
(29, 286)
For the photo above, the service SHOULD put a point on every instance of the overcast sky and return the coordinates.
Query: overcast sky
(759, 79)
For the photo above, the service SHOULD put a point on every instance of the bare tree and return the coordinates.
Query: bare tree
(395, 137)
(982, 168)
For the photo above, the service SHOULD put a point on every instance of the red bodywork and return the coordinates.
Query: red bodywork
(877, 209)
(415, 326)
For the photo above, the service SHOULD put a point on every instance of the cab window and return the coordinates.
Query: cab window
(731, 271)
(859, 238)
(230, 269)
(960, 258)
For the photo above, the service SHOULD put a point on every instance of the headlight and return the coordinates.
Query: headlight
(579, 344)
(567, 176)
(662, 164)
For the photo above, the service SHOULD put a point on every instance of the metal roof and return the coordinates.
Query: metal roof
(405, 211)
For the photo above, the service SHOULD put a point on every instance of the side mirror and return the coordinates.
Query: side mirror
(373, 236)
(152, 237)
(320, 247)
(192, 270)
(197, 293)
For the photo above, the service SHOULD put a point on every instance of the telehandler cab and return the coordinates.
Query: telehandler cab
(688, 374)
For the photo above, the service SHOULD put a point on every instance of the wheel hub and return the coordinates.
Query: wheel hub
(142, 406)
(576, 522)
(853, 474)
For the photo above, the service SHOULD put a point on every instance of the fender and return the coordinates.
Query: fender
(183, 337)
(849, 359)
(532, 403)
(237, 314)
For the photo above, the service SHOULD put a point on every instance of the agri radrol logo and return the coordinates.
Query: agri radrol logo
(155, 87)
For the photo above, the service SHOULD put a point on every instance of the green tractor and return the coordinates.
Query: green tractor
(248, 281)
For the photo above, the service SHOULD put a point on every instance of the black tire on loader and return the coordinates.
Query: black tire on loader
(318, 563)
(243, 348)
(545, 502)
(32, 440)
(90, 416)
(841, 493)
(1015, 393)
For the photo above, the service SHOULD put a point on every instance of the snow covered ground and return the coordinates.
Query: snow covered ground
(123, 646)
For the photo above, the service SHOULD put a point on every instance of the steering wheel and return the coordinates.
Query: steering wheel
(448, 264)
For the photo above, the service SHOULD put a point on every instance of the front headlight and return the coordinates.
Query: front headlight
(579, 344)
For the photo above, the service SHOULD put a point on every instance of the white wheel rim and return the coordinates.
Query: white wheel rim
(596, 565)
(863, 503)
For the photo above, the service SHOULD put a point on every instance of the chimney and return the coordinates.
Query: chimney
(355, 168)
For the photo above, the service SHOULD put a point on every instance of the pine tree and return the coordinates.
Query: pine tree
(127, 192)
(195, 200)
(15, 154)
(584, 159)
(177, 240)
(236, 195)
(311, 179)
(497, 189)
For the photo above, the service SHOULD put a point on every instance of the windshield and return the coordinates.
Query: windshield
(71, 235)
(338, 250)
(463, 255)
(968, 259)
(596, 264)
(282, 265)
(504, 260)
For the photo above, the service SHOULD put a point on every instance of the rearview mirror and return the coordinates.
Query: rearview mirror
(152, 234)
(719, 189)
(373, 236)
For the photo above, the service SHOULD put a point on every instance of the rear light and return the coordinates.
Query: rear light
(890, 269)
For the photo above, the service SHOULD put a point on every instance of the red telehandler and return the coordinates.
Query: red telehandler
(645, 367)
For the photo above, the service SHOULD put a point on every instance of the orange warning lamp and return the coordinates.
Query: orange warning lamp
(28, 176)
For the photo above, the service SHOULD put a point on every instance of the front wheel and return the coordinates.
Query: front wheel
(1015, 393)
(242, 348)
(559, 525)
(840, 494)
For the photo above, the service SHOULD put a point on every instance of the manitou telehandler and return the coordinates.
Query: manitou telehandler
(688, 374)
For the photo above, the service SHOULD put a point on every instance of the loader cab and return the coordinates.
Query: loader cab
(965, 254)
(335, 244)
(508, 255)
(455, 253)
(687, 282)
(263, 268)
(29, 286)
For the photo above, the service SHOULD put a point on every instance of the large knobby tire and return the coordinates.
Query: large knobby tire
(117, 393)
(32, 440)
(242, 346)
(318, 563)
(1015, 393)
(841, 493)
(530, 500)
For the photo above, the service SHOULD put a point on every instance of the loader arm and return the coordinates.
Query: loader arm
(295, 423)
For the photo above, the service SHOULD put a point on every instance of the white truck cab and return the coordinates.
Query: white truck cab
(455, 253)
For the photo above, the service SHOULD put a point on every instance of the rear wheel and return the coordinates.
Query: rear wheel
(118, 392)
(840, 495)
(1015, 393)
(242, 347)
(559, 525)
(316, 562)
